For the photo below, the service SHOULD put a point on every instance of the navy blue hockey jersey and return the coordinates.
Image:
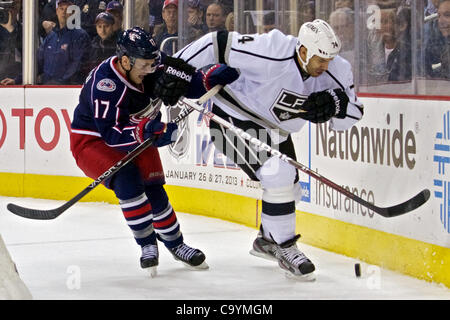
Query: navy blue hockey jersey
(110, 106)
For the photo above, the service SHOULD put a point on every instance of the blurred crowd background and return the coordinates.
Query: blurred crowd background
(394, 46)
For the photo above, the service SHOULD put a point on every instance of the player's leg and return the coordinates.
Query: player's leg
(168, 230)
(277, 238)
(137, 210)
(94, 157)
(279, 183)
(165, 220)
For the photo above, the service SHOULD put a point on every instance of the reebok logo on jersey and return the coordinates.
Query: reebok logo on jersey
(179, 74)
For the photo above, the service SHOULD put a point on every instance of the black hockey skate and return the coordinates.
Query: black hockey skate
(149, 259)
(263, 247)
(294, 261)
(191, 257)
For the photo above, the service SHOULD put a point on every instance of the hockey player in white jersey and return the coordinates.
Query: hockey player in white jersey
(275, 83)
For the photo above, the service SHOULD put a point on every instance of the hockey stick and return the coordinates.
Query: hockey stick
(387, 212)
(37, 214)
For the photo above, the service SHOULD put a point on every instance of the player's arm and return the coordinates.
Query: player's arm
(173, 80)
(179, 78)
(354, 111)
(258, 55)
(201, 52)
(122, 131)
(113, 122)
(207, 54)
(338, 105)
(222, 56)
(219, 57)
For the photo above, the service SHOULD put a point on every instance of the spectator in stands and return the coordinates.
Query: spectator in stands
(215, 17)
(11, 46)
(170, 26)
(156, 20)
(47, 17)
(269, 22)
(116, 9)
(445, 63)
(389, 48)
(195, 20)
(229, 22)
(444, 25)
(63, 50)
(343, 4)
(430, 9)
(227, 5)
(89, 9)
(399, 62)
(104, 44)
(342, 20)
(206, 3)
(380, 43)
(307, 11)
(142, 14)
(437, 47)
(388, 4)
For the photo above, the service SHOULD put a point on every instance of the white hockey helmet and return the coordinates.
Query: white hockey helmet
(319, 39)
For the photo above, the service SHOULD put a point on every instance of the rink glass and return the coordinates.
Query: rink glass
(364, 26)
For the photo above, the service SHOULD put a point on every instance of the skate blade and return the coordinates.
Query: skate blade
(200, 267)
(310, 277)
(151, 271)
(263, 255)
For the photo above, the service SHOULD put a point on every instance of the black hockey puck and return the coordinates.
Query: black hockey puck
(358, 270)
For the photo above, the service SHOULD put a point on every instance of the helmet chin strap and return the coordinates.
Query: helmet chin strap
(302, 62)
(127, 72)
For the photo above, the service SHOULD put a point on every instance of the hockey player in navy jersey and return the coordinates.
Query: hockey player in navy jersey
(119, 108)
(276, 83)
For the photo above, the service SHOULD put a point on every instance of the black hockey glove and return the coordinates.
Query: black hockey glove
(175, 80)
(322, 106)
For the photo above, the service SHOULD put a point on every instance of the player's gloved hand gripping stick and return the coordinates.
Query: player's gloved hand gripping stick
(387, 212)
(37, 214)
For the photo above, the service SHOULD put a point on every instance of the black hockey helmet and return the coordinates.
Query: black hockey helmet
(137, 43)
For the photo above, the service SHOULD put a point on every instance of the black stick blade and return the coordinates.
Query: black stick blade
(35, 214)
(405, 207)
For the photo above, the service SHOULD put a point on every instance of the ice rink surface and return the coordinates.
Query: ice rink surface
(88, 253)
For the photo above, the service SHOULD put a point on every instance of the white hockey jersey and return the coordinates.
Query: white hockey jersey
(270, 87)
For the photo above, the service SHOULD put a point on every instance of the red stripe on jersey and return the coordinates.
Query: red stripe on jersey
(137, 212)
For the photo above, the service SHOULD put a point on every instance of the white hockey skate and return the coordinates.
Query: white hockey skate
(191, 257)
(294, 262)
(149, 259)
(263, 247)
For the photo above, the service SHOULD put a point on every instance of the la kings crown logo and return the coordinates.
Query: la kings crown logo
(287, 105)
(179, 148)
